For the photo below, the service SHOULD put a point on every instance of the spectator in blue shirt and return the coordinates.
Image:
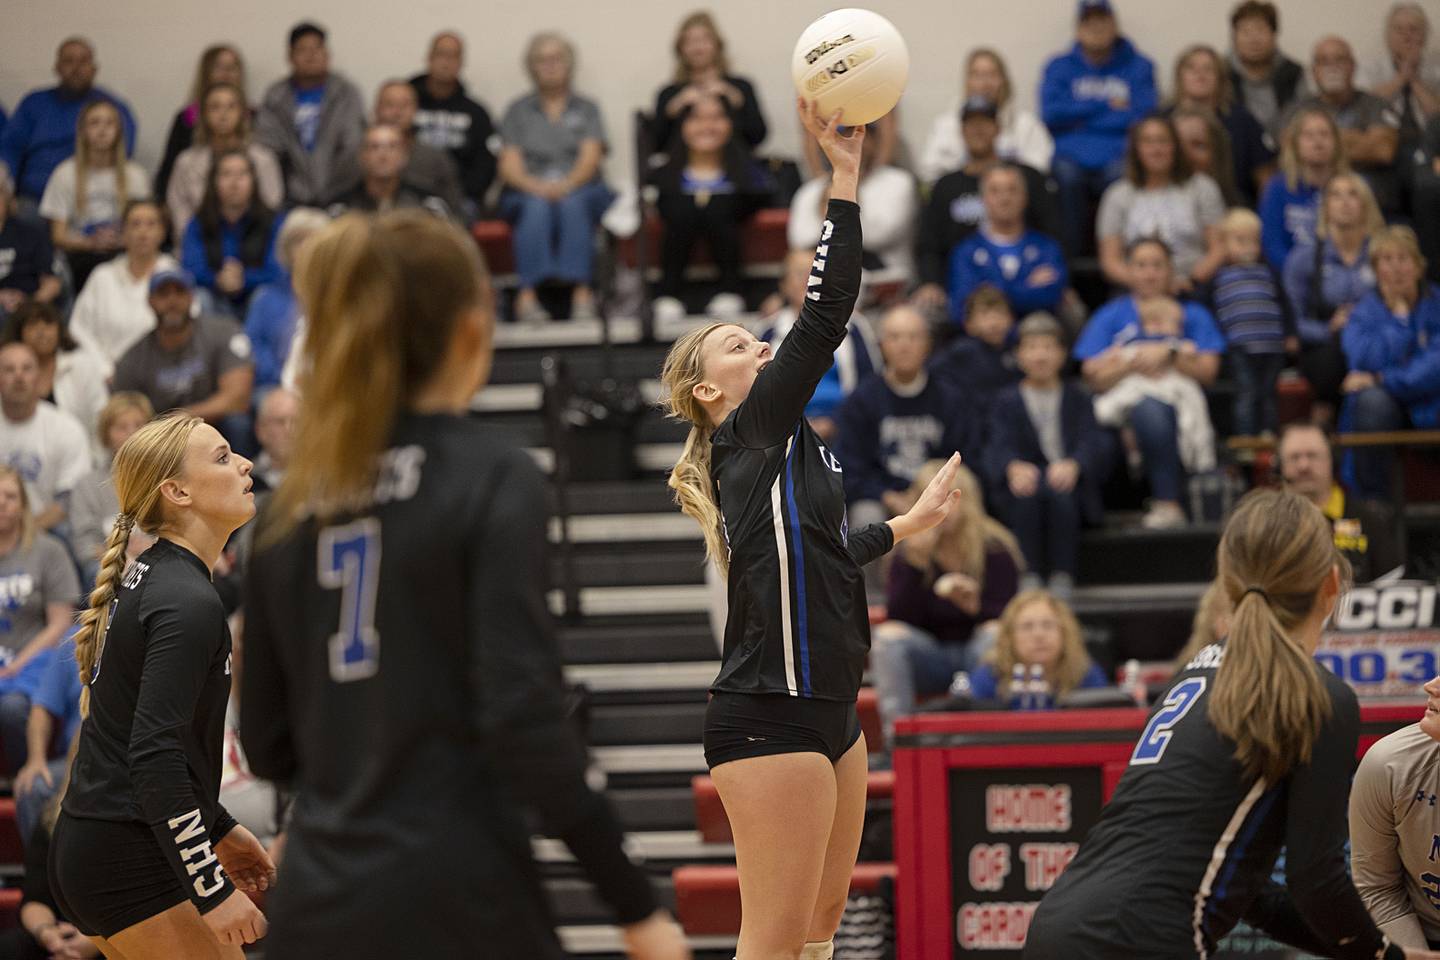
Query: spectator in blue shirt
(54, 703)
(1046, 457)
(981, 362)
(1310, 154)
(1089, 97)
(1025, 264)
(1142, 338)
(1247, 299)
(1325, 278)
(1393, 345)
(41, 134)
(229, 248)
(270, 321)
(1036, 629)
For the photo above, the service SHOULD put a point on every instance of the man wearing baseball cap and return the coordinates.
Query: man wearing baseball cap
(1089, 98)
(197, 363)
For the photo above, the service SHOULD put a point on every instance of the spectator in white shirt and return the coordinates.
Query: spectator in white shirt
(46, 445)
(113, 310)
(1023, 137)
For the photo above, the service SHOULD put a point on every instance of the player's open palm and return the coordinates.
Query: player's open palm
(842, 150)
(939, 497)
(245, 860)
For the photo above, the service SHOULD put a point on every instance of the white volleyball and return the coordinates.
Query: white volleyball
(852, 60)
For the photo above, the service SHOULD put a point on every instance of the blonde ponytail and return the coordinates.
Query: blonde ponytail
(695, 493)
(382, 297)
(154, 454)
(95, 618)
(690, 477)
(1269, 696)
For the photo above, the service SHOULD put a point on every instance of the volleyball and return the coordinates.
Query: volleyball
(854, 61)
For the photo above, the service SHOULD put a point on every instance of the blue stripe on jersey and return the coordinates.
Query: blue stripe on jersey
(799, 557)
(1237, 850)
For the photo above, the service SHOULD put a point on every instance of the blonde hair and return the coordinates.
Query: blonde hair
(382, 297)
(119, 404)
(965, 541)
(206, 66)
(1398, 239)
(84, 161)
(300, 225)
(154, 454)
(1290, 146)
(1269, 697)
(690, 481)
(27, 517)
(1211, 621)
(1240, 220)
(1374, 219)
(1073, 663)
(700, 18)
(993, 54)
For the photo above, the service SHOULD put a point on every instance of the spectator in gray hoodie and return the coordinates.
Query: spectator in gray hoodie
(312, 119)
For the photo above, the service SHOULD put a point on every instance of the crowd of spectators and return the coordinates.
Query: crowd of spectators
(1081, 294)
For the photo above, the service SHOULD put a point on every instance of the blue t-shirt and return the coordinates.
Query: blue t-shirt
(307, 115)
(1118, 323)
(985, 685)
(59, 688)
(1287, 218)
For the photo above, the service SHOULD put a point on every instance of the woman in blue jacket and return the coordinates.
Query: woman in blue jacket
(230, 245)
(273, 312)
(1393, 344)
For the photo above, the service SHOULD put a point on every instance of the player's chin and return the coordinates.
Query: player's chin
(1430, 724)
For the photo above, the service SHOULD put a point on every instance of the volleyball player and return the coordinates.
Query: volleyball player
(782, 738)
(1395, 829)
(1250, 750)
(144, 859)
(400, 671)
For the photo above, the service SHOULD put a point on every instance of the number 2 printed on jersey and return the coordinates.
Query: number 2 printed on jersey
(349, 561)
(1160, 729)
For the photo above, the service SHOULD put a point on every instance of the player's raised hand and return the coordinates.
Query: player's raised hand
(934, 505)
(657, 937)
(842, 150)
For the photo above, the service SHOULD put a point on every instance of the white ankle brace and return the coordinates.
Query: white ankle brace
(818, 951)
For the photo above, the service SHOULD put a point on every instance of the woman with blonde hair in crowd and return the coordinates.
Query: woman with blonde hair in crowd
(144, 860)
(94, 504)
(1036, 629)
(39, 586)
(85, 198)
(1250, 750)
(1325, 278)
(425, 611)
(1023, 137)
(1203, 83)
(947, 587)
(782, 736)
(1311, 152)
(218, 63)
(702, 69)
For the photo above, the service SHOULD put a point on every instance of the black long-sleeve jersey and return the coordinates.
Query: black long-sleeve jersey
(1186, 846)
(401, 675)
(798, 620)
(152, 747)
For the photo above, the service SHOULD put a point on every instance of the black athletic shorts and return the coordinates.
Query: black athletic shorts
(107, 876)
(741, 725)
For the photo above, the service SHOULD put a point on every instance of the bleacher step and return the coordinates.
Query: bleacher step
(600, 941)
(651, 847)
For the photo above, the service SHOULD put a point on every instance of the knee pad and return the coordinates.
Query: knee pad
(818, 951)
